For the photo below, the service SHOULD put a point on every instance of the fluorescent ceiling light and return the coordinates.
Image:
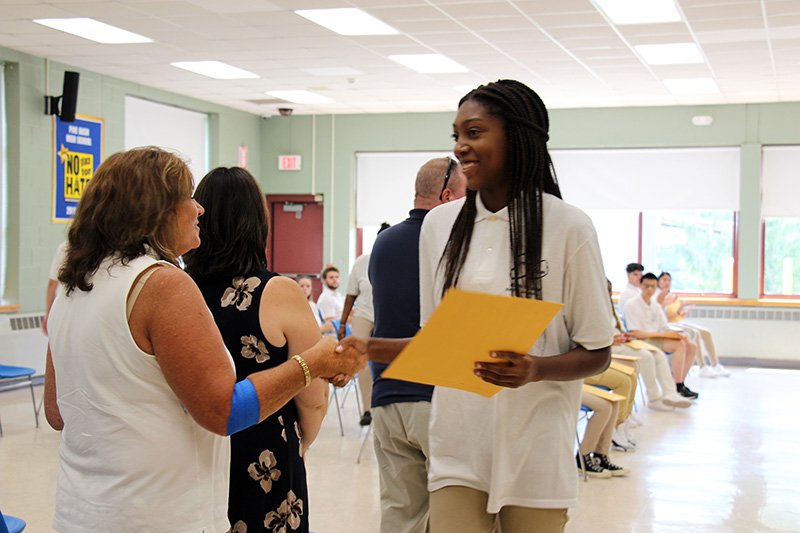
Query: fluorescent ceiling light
(300, 97)
(670, 54)
(680, 86)
(347, 21)
(215, 69)
(94, 30)
(639, 11)
(429, 63)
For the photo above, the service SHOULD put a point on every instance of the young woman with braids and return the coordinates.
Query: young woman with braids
(509, 459)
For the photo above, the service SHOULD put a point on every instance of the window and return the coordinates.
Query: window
(781, 225)
(172, 128)
(781, 257)
(385, 189)
(618, 235)
(672, 209)
(695, 247)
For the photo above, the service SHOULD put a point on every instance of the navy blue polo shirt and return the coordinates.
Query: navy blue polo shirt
(394, 275)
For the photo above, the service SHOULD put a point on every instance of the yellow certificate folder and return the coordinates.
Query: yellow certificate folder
(464, 329)
(636, 344)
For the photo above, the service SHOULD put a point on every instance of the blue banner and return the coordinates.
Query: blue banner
(77, 152)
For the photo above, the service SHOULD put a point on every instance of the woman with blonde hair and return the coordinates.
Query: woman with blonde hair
(307, 287)
(138, 378)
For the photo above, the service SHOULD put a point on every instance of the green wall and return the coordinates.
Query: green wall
(328, 145)
(31, 237)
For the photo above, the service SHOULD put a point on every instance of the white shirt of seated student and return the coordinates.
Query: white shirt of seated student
(330, 303)
(639, 315)
(630, 292)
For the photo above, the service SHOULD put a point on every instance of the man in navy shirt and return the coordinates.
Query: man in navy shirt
(401, 409)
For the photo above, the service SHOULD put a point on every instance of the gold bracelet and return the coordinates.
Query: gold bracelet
(306, 371)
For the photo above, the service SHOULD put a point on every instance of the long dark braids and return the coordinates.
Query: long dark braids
(526, 126)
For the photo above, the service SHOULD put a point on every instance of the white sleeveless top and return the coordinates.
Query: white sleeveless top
(131, 457)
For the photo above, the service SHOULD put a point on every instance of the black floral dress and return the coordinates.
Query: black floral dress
(268, 490)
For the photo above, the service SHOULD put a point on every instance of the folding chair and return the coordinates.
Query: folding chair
(11, 524)
(18, 376)
(584, 414)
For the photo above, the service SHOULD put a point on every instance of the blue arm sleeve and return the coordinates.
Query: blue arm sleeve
(245, 407)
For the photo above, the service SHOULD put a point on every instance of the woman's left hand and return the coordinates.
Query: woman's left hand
(512, 370)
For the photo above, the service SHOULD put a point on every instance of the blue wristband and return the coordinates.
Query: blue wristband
(245, 407)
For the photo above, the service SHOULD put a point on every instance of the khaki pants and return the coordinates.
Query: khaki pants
(463, 510)
(621, 384)
(401, 447)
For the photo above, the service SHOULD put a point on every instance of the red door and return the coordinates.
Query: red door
(295, 244)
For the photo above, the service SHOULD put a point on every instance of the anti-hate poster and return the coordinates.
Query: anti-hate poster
(77, 151)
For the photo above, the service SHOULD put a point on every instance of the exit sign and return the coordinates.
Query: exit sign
(288, 162)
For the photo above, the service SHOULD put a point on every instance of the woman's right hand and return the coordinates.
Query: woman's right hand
(331, 362)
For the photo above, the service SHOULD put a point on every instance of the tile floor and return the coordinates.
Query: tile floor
(725, 465)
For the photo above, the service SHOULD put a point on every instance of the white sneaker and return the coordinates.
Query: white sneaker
(620, 442)
(626, 431)
(707, 372)
(635, 420)
(676, 400)
(659, 405)
(721, 370)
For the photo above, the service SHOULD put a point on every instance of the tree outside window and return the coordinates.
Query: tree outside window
(782, 256)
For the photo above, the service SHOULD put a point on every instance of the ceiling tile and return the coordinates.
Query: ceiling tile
(577, 60)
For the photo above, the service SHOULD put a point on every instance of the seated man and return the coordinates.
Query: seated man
(653, 367)
(331, 302)
(631, 290)
(646, 320)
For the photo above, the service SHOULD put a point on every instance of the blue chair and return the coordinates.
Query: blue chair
(11, 375)
(336, 322)
(11, 524)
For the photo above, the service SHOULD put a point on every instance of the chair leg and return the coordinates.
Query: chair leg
(363, 444)
(580, 456)
(357, 392)
(338, 409)
(33, 398)
(641, 392)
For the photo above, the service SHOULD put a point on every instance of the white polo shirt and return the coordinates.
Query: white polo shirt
(518, 445)
(330, 303)
(630, 292)
(358, 285)
(645, 317)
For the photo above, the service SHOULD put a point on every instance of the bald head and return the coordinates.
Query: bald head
(430, 180)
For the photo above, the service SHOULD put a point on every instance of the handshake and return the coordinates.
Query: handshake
(337, 362)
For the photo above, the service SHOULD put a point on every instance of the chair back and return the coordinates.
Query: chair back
(337, 321)
(11, 524)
